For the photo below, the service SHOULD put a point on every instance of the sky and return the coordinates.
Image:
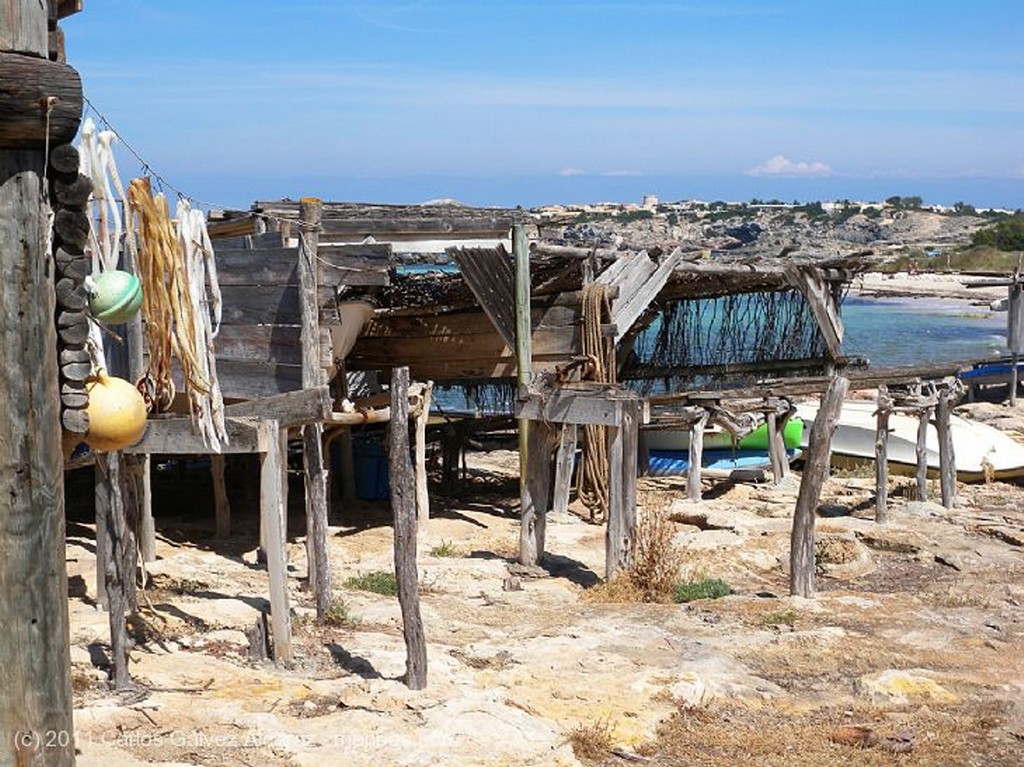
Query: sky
(526, 102)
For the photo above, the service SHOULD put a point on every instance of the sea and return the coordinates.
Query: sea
(914, 331)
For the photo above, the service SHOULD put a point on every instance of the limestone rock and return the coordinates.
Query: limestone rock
(903, 686)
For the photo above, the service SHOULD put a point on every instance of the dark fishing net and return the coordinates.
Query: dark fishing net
(724, 341)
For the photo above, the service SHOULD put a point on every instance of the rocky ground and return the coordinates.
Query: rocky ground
(913, 652)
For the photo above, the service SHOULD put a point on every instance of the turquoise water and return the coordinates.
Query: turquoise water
(913, 331)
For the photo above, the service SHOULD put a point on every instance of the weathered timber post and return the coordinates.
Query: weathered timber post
(882, 412)
(1015, 329)
(35, 695)
(693, 473)
(422, 491)
(403, 503)
(113, 527)
(310, 214)
(801, 555)
(221, 504)
(947, 458)
(564, 462)
(530, 548)
(921, 450)
(536, 499)
(272, 525)
(775, 428)
(620, 531)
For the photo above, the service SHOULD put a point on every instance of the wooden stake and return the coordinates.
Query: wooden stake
(221, 504)
(693, 481)
(403, 504)
(564, 463)
(947, 458)
(620, 532)
(776, 446)
(536, 500)
(922, 453)
(272, 524)
(310, 214)
(801, 555)
(115, 533)
(529, 554)
(422, 491)
(882, 455)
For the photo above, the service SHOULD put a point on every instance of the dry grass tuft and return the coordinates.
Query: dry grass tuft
(657, 561)
(592, 741)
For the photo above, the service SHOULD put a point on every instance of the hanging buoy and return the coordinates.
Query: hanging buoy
(117, 413)
(115, 296)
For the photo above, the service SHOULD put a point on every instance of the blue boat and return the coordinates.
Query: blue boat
(673, 463)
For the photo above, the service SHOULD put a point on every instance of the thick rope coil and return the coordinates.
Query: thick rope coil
(593, 479)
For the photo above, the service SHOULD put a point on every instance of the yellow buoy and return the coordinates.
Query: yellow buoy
(117, 413)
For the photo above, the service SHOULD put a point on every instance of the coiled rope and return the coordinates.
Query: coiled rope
(593, 479)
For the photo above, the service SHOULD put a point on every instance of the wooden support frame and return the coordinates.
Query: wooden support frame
(882, 413)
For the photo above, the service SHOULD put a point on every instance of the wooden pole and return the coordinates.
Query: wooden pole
(346, 459)
(221, 504)
(422, 491)
(882, 455)
(922, 453)
(310, 214)
(403, 503)
(693, 480)
(35, 694)
(564, 463)
(776, 446)
(528, 553)
(947, 457)
(801, 555)
(272, 525)
(115, 534)
(1015, 329)
(620, 532)
(536, 500)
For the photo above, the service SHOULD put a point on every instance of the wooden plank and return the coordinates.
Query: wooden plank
(620, 533)
(268, 266)
(802, 553)
(403, 503)
(489, 274)
(631, 303)
(571, 406)
(290, 409)
(268, 343)
(266, 304)
(274, 537)
(921, 451)
(818, 293)
(245, 380)
(174, 436)
(35, 695)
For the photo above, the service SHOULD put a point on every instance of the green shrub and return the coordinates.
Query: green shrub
(787, 618)
(444, 549)
(338, 615)
(378, 582)
(706, 588)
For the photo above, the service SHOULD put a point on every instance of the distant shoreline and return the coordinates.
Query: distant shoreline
(925, 285)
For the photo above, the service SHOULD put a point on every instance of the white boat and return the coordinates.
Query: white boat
(979, 449)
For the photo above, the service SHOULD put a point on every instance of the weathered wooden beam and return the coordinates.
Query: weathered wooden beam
(112, 525)
(29, 88)
(273, 527)
(881, 455)
(947, 457)
(535, 502)
(35, 694)
(403, 503)
(693, 479)
(529, 553)
(489, 274)
(221, 503)
(819, 297)
(802, 541)
(174, 436)
(422, 491)
(290, 409)
(921, 450)
(563, 405)
(620, 530)
(564, 464)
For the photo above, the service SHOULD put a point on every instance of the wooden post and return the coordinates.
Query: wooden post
(274, 536)
(882, 455)
(1015, 329)
(115, 579)
(422, 491)
(947, 458)
(536, 500)
(564, 462)
(528, 553)
(801, 555)
(310, 214)
(620, 532)
(776, 445)
(221, 504)
(693, 481)
(403, 503)
(346, 459)
(35, 694)
(922, 453)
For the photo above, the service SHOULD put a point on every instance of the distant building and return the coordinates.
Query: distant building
(650, 201)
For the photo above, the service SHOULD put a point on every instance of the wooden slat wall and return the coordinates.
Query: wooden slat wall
(489, 274)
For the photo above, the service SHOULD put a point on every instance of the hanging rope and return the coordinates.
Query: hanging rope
(593, 481)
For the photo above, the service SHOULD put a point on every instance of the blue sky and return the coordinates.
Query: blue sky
(529, 102)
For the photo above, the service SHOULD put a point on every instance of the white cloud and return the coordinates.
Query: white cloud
(781, 166)
(572, 172)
